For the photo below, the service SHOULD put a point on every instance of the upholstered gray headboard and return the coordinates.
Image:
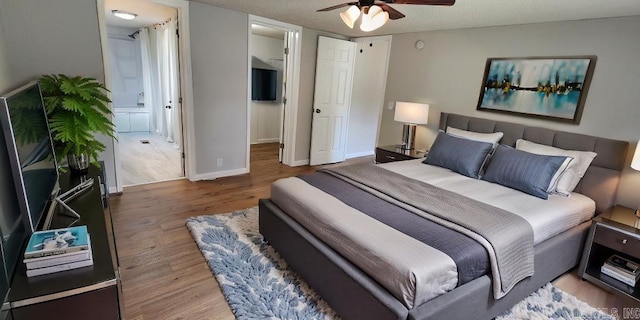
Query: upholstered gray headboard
(600, 183)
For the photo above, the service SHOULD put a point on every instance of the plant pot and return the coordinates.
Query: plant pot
(78, 163)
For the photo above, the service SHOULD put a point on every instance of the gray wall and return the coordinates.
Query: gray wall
(59, 36)
(6, 78)
(219, 45)
(8, 197)
(367, 97)
(448, 72)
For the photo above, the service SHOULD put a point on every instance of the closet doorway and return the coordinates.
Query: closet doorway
(267, 87)
(272, 102)
(143, 63)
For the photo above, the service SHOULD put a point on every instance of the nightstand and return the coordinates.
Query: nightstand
(393, 153)
(613, 232)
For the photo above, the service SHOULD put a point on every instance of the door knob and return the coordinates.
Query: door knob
(318, 110)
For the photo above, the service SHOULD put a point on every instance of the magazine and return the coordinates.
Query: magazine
(48, 261)
(59, 268)
(57, 242)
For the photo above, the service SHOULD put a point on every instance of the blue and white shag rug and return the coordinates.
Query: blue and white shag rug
(258, 284)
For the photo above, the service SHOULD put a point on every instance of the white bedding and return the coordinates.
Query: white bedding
(547, 217)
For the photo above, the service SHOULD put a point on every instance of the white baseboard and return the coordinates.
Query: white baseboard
(359, 154)
(113, 190)
(270, 140)
(300, 163)
(220, 174)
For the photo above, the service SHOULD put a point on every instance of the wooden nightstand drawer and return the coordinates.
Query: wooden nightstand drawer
(383, 156)
(392, 153)
(617, 240)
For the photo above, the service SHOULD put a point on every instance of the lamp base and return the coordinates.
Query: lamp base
(409, 136)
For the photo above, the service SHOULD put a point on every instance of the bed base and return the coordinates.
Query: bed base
(353, 295)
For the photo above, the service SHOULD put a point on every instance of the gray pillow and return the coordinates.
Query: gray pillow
(461, 155)
(521, 170)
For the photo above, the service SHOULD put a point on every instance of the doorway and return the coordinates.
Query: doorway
(268, 85)
(143, 63)
(274, 55)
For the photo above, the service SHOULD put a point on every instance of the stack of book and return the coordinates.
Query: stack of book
(621, 269)
(58, 250)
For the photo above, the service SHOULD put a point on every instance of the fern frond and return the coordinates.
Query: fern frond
(78, 110)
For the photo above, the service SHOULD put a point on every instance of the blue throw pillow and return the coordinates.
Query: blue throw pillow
(463, 156)
(521, 170)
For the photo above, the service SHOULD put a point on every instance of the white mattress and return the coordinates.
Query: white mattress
(547, 217)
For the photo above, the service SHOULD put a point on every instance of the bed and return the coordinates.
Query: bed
(357, 291)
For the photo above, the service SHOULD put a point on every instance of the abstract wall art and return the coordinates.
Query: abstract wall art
(548, 87)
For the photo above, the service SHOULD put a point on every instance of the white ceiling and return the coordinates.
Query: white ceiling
(149, 13)
(267, 32)
(463, 14)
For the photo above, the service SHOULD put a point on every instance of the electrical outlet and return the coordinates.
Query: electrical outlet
(219, 163)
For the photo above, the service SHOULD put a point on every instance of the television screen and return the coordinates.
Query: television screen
(30, 151)
(263, 84)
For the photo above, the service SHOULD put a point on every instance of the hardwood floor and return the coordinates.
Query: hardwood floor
(164, 275)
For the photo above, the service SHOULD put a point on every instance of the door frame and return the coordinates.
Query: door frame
(293, 83)
(186, 86)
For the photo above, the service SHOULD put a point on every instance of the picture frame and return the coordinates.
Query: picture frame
(553, 88)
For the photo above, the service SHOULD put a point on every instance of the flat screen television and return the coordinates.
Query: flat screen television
(263, 84)
(31, 153)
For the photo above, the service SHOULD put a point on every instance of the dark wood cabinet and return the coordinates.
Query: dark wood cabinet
(86, 293)
(392, 153)
(615, 231)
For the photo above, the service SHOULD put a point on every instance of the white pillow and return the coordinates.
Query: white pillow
(477, 136)
(553, 184)
(570, 178)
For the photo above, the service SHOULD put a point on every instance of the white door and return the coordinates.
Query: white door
(332, 99)
(285, 79)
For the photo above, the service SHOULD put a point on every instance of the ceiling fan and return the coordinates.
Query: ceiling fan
(375, 13)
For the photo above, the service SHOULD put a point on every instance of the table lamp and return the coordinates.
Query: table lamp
(635, 164)
(410, 114)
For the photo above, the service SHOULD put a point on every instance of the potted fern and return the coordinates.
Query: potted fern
(77, 111)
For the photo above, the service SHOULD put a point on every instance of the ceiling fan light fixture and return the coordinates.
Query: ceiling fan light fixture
(373, 19)
(350, 16)
(124, 14)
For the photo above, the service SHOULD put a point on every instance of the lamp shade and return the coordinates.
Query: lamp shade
(350, 16)
(409, 112)
(635, 163)
(374, 19)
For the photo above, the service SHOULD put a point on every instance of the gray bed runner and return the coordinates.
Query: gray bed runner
(507, 237)
(470, 257)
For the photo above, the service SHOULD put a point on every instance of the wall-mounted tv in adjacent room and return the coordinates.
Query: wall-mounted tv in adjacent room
(264, 83)
(30, 151)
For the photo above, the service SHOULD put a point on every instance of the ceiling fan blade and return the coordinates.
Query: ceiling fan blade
(424, 2)
(339, 6)
(393, 13)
